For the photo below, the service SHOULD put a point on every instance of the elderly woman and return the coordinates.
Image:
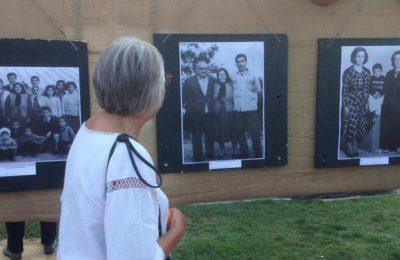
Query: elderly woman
(112, 207)
(356, 81)
(390, 124)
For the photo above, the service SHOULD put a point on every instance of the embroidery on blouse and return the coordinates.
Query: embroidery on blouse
(131, 183)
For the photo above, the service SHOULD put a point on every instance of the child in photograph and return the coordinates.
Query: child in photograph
(49, 127)
(8, 146)
(375, 100)
(53, 101)
(376, 90)
(70, 106)
(16, 130)
(29, 142)
(60, 89)
(67, 135)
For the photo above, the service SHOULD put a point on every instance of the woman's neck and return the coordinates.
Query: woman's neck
(107, 122)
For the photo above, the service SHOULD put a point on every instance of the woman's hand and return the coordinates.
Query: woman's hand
(175, 231)
(176, 220)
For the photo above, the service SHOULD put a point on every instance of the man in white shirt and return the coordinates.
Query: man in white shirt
(198, 102)
(246, 88)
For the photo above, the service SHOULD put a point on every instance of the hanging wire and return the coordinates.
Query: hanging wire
(356, 9)
(55, 25)
(254, 9)
(186, 12)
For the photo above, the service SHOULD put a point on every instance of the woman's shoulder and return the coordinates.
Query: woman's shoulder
(366, 70)
(348, 70)
(121, 166)
(390, 73)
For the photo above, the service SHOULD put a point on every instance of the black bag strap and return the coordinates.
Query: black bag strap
(124, 138)
(159, 222)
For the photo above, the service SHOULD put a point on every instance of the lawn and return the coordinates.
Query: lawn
(365, 228)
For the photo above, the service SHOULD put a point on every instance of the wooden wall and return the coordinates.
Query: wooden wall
(100, 21)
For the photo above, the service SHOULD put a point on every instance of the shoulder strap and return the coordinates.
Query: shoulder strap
(124, 138)
(159, 222)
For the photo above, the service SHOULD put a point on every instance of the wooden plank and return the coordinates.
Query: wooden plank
(100, 21)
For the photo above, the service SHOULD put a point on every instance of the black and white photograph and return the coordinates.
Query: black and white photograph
(222, 101)
(369, 113)
(44, 98)
(39, 113)
(226, 102)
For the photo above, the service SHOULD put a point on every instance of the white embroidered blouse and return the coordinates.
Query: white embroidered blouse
(113, 214)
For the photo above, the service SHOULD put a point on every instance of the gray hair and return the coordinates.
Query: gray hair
(129, 78)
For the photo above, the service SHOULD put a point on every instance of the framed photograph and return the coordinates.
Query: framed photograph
(44, 98)
(358, 113)
(225, 104)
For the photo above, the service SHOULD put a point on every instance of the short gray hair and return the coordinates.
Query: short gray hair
(129, 78)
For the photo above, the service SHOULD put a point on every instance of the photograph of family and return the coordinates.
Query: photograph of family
(39, 113)
(222, 101)
(370, 102)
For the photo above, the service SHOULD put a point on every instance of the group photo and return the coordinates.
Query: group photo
(39, 113)
(222, 101)
(370, 107)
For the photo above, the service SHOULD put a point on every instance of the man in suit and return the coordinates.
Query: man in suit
(38, 102)
(198, 103)
(49, 127)
(12, 79)
(3, 97)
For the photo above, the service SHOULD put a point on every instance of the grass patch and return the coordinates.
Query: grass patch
(366, 228)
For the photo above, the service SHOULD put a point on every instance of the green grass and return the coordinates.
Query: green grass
(366, 228)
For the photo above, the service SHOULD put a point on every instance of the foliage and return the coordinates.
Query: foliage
(191, 52)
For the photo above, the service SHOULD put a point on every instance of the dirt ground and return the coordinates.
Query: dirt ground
(33, 250)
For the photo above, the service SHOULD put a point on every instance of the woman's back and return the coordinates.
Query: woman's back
(90, 201)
